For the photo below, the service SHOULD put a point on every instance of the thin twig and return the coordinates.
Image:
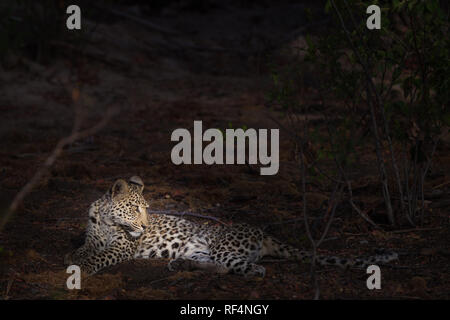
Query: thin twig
(305, 215)
(441, 185)
(361, 213)
(295, 138)
(136, 19)
(331, 207)
(159, 280)
(9, 284)
(289, 221)
(185, 213)
(414, 230)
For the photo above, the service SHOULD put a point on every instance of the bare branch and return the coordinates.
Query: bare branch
(371, 88)
(57, 151)
(331, 207)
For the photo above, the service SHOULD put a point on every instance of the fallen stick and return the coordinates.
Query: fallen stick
(185, 213)
(441, 185)
(413, 229)
(74, 136)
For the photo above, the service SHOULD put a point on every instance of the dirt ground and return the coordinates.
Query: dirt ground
(207, 72)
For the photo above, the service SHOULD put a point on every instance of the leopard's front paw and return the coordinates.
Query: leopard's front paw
(87, 270)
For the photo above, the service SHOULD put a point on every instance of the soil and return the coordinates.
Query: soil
(208, 71)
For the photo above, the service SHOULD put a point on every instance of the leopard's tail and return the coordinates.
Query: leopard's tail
(274, 248)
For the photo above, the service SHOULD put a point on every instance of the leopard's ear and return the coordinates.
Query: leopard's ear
(136, 180)
(119, 188)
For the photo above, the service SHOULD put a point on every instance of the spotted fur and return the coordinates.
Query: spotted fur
(119, 229)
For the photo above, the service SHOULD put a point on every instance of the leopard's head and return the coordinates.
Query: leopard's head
(126, 206)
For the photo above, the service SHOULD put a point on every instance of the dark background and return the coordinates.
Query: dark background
(164, 64)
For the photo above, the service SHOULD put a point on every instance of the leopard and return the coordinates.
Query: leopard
(121, 229)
